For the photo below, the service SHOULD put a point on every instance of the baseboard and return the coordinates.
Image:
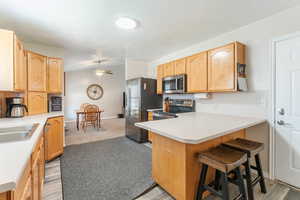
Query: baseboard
(108, 117)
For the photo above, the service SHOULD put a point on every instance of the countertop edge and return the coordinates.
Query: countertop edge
(187, 141)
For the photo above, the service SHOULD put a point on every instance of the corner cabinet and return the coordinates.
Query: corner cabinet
(196, 71)
(222, 67)
(54, 138)
(12, 63)
(55, 75)
(37, 72)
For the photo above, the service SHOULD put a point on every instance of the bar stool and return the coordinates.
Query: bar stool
(224, 160)
(252, 149)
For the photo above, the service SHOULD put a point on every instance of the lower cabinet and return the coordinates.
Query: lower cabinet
(30, 185)
(54, 145)
(150, 117)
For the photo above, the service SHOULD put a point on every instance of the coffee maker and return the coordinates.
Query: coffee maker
(15, 107)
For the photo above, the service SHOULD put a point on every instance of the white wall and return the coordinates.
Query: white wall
(257, 37)
(113, 86)
(135, 69)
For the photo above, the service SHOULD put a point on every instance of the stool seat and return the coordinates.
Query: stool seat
(250, 147)
(222, 158)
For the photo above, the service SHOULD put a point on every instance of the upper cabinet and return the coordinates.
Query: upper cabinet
(12, 63)
(180, 66)
(159, 75)
(20, 66)
(55, 75)
(37, 72)
(222, 67)
(197, 73)
(169, 69)
(214, 70)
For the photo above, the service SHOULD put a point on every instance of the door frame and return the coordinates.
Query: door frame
(272, 155)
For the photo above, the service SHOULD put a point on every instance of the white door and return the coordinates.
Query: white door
(287, 128)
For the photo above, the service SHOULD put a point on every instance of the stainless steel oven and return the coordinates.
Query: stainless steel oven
(174, 84)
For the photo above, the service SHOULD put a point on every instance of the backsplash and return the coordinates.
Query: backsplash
(254, 104)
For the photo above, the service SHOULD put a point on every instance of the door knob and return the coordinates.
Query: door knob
(281, 111)
(283, 123)
(280, 122)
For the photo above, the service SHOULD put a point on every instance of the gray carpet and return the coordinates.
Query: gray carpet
(92, 171)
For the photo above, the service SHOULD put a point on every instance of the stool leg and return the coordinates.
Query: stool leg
(217, 180)
(249, 181)
(241, 183)
(260, 173)
(225, 191)
(202, 182)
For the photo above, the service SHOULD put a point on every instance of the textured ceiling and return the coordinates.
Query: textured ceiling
(87, 26)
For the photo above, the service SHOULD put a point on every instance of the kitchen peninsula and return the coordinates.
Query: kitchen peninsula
(176, 142)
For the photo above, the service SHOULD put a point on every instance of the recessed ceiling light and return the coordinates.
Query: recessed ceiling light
(126, 23)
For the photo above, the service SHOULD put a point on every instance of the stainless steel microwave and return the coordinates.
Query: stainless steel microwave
(174, 84)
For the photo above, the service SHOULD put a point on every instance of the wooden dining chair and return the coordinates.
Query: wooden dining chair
(82, 106)
(90, 116)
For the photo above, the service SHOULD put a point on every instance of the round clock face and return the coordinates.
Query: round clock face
(94, 91)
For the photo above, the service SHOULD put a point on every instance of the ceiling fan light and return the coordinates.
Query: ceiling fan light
(126, 23)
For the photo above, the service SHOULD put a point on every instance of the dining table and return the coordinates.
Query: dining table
(82, 112)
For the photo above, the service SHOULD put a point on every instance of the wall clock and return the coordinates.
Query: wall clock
(94, 91)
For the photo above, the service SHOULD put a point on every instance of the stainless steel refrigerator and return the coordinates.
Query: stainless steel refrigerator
(140, 96)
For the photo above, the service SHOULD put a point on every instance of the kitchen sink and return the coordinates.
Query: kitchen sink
(19, 133)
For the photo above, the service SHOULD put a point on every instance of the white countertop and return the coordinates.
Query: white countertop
(15, 155)
(196, 127)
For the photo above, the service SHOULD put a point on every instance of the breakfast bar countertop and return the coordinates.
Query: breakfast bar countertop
(198, 127)
(15, 155)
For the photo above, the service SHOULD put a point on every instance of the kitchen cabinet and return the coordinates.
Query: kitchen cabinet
(160, 75)
(222, 67)
(196, 70)
(54, 138)
(20, 67)
(37, 72)
(150, 118)
(37, 103)
(169, 69)
(22, 186)
(13, 68)
(55, 75)
(214, 70)
(180, 66)
(37, 170)
(35, 178)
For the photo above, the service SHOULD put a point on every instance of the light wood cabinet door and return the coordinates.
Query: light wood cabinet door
(196, 69)
(222, 69)
(37, 103)
(37, 72)
(36, 179)
(169, 69)
(20, 67)
(27, 195)
(55, 74)
(180, 66)
(54, 138)
(160, 75)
